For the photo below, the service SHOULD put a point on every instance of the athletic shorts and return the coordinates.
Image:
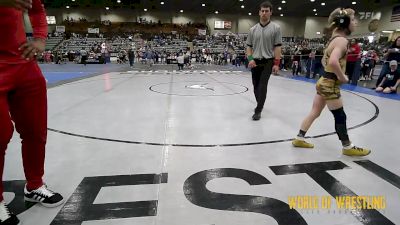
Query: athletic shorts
(329, 89)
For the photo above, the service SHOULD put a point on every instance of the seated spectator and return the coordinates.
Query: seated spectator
(393, 53)
(391, 81)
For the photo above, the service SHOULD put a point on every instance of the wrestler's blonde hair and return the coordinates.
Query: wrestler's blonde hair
(331, 20)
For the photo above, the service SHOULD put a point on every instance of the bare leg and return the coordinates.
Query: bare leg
(318, 105)
(334, 104)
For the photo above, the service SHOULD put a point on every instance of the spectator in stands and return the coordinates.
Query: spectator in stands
(142, 55)
(131, 56)
(186, 58)
(150, 57)
(391, 80)
(84, 56)
(51, 57)
(77, 57)
(209, 59)
(246, 61)
(181, 61)
(58, 56)
(353, 59)
(296, 68)
(163, 57)
(368, 65)
(318, 62)
(393, 53)
(156, 57)
(121, 57)
(23, 100)
(310, 64)
(305, 56)
(237, 60)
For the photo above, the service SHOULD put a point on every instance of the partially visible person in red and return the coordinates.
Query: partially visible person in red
(23, 99)
(368, 65)
(353, 57)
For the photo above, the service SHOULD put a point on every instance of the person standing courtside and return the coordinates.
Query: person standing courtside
(264, 43)
(23, 99)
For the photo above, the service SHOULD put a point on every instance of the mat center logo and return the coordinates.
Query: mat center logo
(200, 87)
(81, 205)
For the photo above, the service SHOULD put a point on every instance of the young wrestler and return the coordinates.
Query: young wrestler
(342, 23)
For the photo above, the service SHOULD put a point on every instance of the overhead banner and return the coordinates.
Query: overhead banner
(93, 30)
(202, 32)
(60, 29)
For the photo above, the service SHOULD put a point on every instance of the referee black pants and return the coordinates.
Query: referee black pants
(261, 74)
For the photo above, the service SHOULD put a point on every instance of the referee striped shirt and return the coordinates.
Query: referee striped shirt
(263, 39)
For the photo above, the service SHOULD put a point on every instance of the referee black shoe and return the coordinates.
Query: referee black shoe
(257, 116)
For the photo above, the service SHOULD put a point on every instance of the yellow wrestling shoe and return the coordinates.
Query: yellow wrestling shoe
(356, 151)
(301, 143)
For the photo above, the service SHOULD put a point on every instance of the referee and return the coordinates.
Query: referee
(264, 43)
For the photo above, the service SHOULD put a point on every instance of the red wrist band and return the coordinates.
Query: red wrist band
(277, 62)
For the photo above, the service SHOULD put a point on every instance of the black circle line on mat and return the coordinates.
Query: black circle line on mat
(246, 89)
(220, 145)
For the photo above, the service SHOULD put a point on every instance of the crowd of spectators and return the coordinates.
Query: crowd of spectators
(300, 56)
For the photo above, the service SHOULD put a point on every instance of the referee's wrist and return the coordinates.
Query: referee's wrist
(277, 62)
(40, 39)
(250, 58)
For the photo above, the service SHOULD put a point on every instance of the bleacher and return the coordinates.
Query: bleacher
(214, 46)
(171, 46)
(52, 42)
(76, 44)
